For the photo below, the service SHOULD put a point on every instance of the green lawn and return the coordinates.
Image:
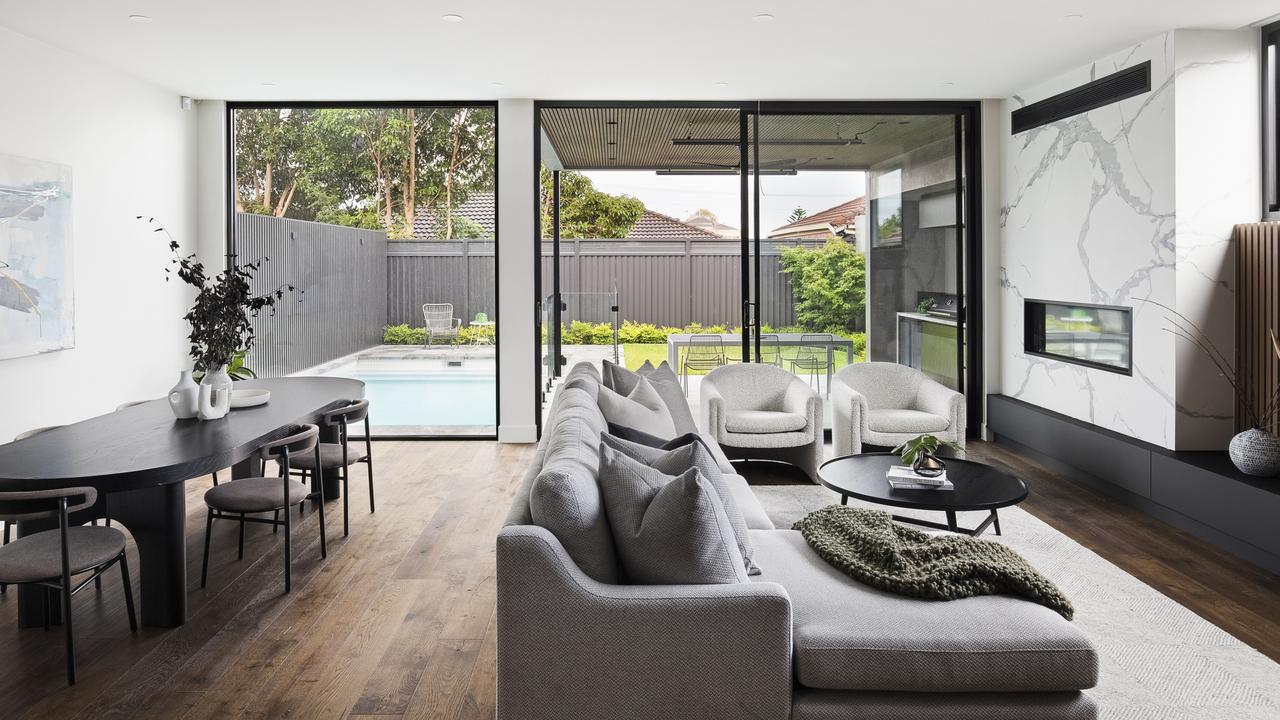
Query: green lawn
(635, 354)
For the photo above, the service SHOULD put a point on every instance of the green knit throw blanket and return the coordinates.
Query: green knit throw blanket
(872, 549)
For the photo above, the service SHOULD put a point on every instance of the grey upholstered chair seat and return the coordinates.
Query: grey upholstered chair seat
(39, 556)
(884, 404)
(896, 420)
(762, 412)
(254, 495)
(849, 636)
(763, 421)
(330, 457)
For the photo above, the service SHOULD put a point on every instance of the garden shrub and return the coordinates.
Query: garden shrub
(828, 283)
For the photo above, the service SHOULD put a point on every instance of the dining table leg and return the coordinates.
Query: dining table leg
(156, 518)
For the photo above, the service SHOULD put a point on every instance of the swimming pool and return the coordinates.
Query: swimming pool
(423, 394)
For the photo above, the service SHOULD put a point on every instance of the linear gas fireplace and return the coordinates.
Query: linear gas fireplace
(1096, 336)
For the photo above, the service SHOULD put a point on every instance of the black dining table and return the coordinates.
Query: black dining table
(139, 460)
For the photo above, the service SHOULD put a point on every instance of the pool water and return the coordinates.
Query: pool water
(429, 398)
(414, 391)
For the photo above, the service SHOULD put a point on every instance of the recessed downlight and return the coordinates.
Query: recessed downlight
(947, 83)
(268, 84)
(721, 83)
(141, 19)
(496, 83)
(762, 17)
(1072, 17)
(451, 17)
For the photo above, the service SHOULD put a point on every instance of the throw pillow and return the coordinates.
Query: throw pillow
(694, 455)
(623, 381)
(668, 530)
(668, 386)
(642, 409)
(626, 433)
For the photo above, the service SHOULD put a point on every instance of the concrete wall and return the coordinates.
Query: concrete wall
(132, 151)
(517, 251)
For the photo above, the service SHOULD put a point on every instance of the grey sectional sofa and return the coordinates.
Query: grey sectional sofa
(800, 641)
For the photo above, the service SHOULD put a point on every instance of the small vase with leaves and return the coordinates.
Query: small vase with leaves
(220, 320)
(921, 454)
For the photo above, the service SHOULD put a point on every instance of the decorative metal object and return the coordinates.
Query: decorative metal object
(928, 465)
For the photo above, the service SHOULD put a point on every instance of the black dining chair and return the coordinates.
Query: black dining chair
(237, 499)
(52, 558)
(340, 455)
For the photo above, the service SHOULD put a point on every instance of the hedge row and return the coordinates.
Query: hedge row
(585, 333)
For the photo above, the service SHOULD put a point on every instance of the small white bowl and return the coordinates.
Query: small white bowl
(249, 398)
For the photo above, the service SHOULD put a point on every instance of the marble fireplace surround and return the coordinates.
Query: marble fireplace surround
(1132, 204)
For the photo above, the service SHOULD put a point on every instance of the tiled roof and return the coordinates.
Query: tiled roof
(656, 226)
(479, 208)
(820, 224)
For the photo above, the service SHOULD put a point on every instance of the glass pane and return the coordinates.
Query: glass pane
(860, 243)
(384, 218)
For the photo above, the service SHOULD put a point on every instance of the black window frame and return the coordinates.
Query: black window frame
(1033, 341)
(1269, 96)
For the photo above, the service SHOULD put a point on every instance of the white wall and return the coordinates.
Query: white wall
(211, 183)
(1129, 202)
(1217, 146)
(516, 306)
(131, 149)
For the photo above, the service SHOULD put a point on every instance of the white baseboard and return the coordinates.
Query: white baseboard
(517, 433)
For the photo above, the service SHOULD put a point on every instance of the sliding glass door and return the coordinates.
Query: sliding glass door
(856, 249)
(804, 235)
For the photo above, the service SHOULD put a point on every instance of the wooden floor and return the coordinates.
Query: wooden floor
(398, 621)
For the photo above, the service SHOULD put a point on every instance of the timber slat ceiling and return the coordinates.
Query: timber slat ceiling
(641, 138)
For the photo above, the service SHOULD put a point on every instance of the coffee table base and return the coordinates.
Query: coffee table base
(992, 520)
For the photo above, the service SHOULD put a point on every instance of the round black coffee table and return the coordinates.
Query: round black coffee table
(978, 487)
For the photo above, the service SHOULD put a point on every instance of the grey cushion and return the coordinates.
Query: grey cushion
(668, 386)
(897, 420)
(694, 455)
(641, 409)
(565, 497)
(39, 556)
(748, 504)
(668, 530)
(623, 381)
(253, 495)
(330, 456)
(763, 421)
(849, 636)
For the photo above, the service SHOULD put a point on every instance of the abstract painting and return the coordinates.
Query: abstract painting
(37, 312)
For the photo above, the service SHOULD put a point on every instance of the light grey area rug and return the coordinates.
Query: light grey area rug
(1160, 661)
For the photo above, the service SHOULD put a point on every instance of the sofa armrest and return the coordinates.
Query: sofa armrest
(570, 647)
(711, 409)
(935, 398)
(848, 417)
(803, 400)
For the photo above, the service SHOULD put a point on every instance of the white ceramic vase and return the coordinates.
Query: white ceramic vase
(184, 398)
(215, 394)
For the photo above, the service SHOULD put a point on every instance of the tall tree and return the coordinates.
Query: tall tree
(797, 215)
(586, 212)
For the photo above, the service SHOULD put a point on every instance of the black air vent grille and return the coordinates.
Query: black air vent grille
(1103, 91)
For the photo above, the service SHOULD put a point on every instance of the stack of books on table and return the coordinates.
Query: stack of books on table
(902, 477)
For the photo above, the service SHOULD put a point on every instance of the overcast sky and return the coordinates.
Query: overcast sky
(680, 195)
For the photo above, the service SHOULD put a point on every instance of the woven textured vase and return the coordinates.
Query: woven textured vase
(1256, 452)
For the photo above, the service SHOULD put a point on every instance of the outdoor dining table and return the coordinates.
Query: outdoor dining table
(139, 460)
(781, 340)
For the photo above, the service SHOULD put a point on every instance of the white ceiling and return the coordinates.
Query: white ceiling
(606, 49)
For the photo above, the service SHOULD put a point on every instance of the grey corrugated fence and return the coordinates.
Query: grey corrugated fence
(439, 271)
(343, 274)
(675, 282)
